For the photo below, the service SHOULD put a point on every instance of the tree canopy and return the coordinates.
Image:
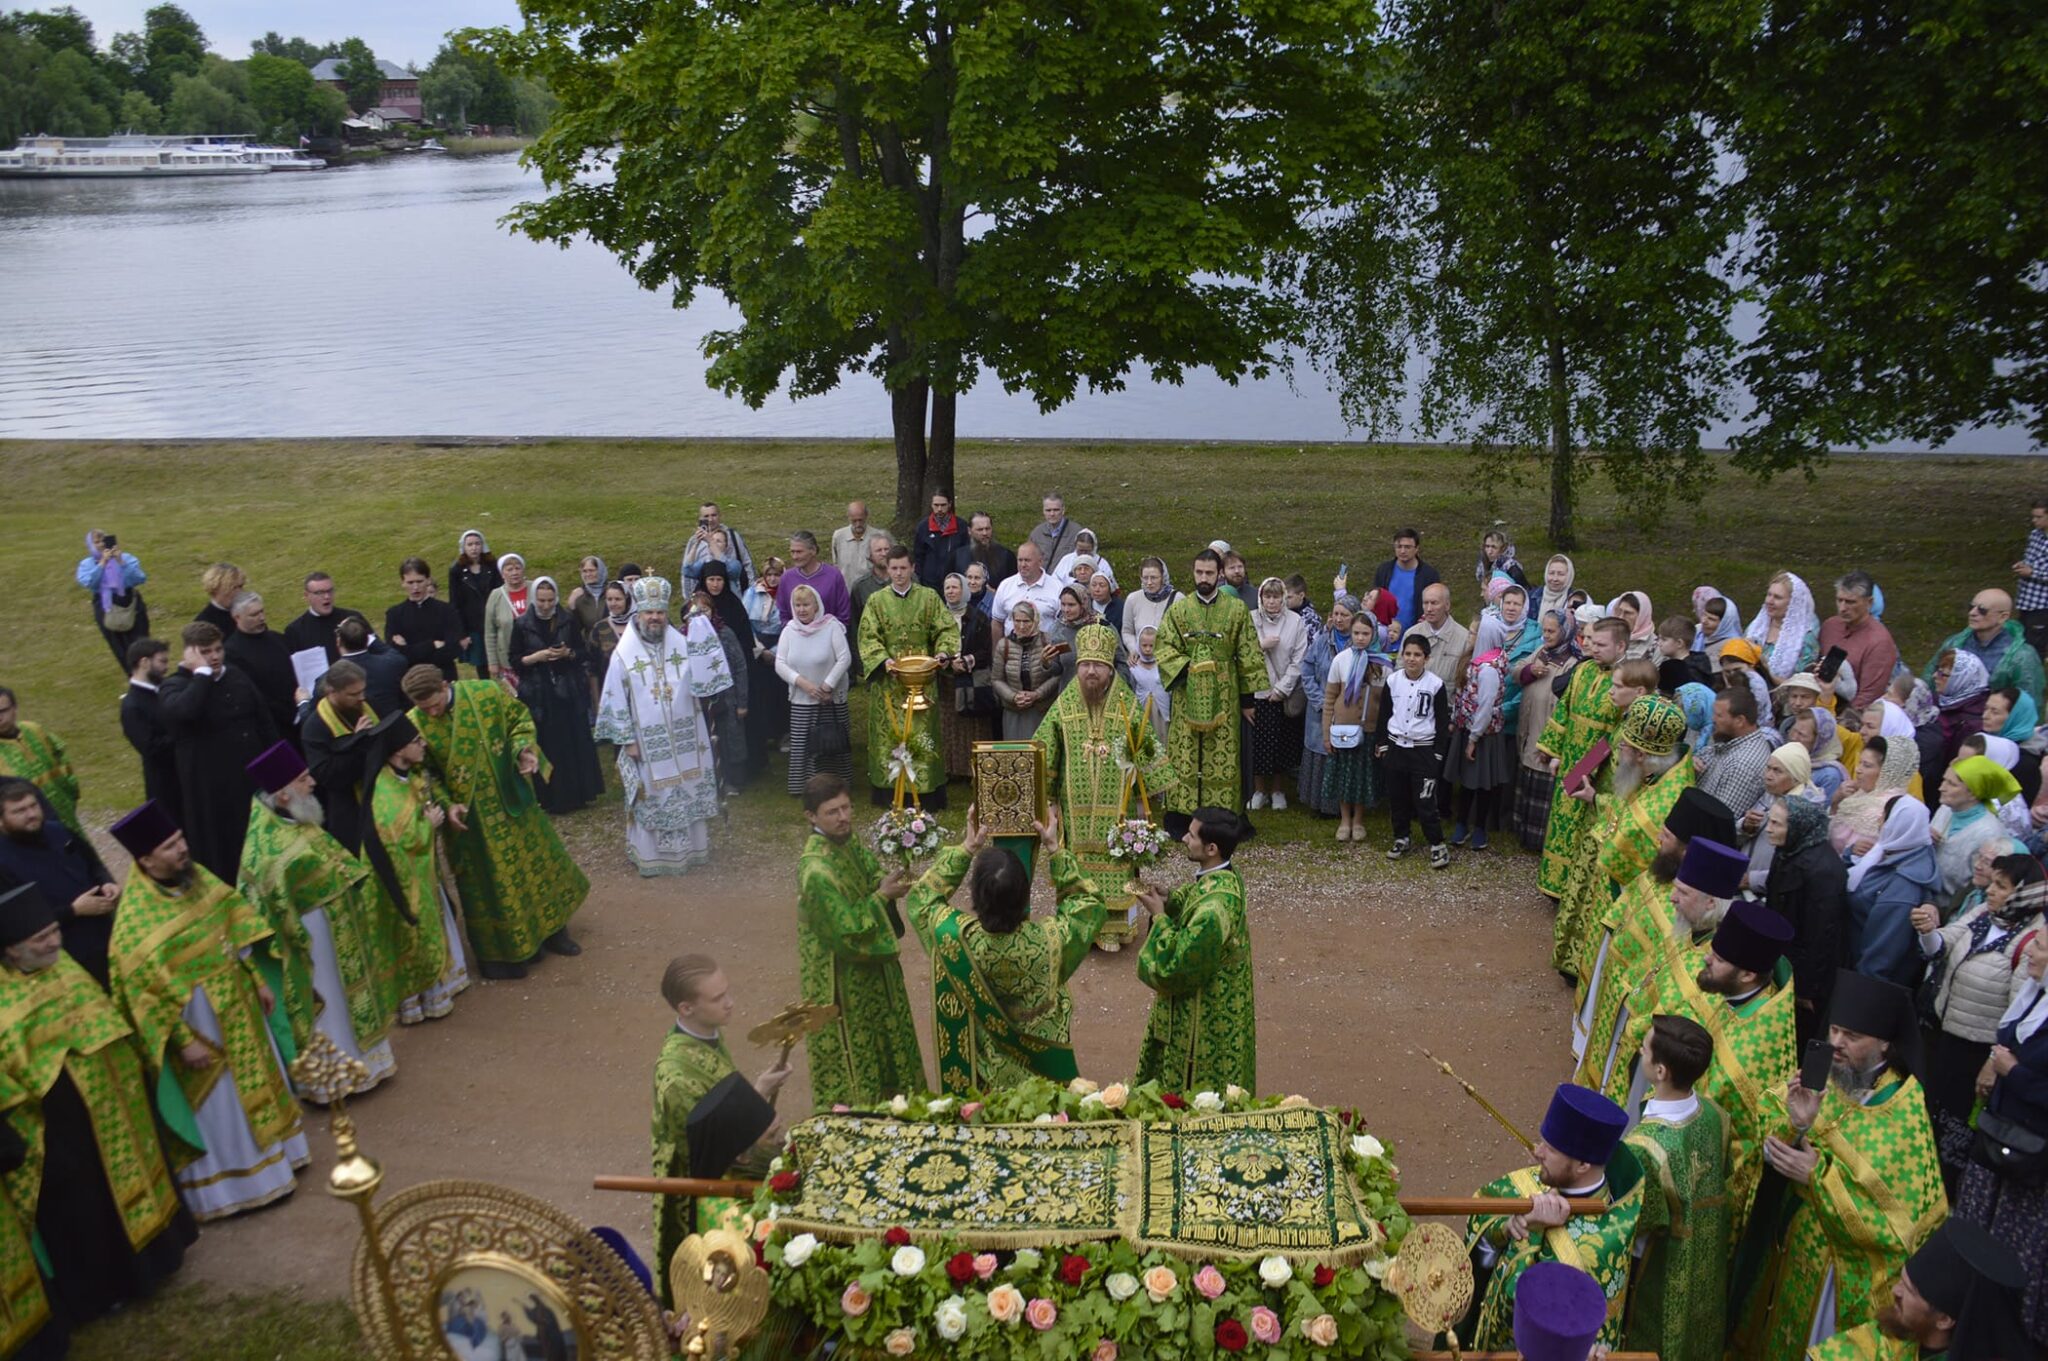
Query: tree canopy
(361, 74)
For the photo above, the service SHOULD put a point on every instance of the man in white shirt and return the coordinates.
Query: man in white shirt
(850, 543)
(1032, 583)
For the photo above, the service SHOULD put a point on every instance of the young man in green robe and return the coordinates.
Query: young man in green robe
(1580, 1156)
(1097, 745)
(846, 931)
(1649, 769)
(1210, 665)
(518, 884)
(29, 751)
(904, 619)
(331, 927)
(1864, 1176)
(708, 1120)
(1001, 1012)
(406, 814)
(1584, 716)
(90, 1183)
(185, 973)
(1197, 958)
(1678, 1304)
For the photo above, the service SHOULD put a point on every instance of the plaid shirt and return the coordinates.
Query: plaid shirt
(2033, 591)
(1734, 771)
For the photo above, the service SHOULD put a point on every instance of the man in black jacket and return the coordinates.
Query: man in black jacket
(383, 665)
(1406, 575)
(315, 628)
(940, 545)
(999, 562)
(142, 721)
(36, 848)
(219, 724)
(424, 628)
(264, 657)
(338, 738)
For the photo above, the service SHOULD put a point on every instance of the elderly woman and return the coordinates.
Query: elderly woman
(1886, 767)
(1541, 679)
(1787, 775)
(812, 655)
(1315, 674)
(967, 702)
(768, 709)
(1026, 674)
(1807, 885)
(1785, 631)
(1969, 794)
(1976, 971)
(1085, 546)
(546, 653)
(1519, 640)
(1886, 883)
(1276, 740)
(1558, 576)
(1480, 763)
(471, 582)
(1961, 686)
(1144, 608)
(587, 599)
(504, 609)
(114, 577)
(1823, 756)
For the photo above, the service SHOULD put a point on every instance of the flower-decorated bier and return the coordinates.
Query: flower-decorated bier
(1137, 844)
(908, 834)
(1084, 1221)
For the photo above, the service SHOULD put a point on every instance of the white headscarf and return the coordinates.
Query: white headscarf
(1895, 723)
(1782, 658)
(1904, 830)
(1554, 600)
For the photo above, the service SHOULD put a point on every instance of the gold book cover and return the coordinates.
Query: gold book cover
(1009, 787)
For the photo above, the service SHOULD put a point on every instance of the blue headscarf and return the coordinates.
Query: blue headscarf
(1698, 702)
(2021, 722)
(1364, 659)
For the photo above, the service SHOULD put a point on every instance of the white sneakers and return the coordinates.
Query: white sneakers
(1279, 801)
(1258, 800)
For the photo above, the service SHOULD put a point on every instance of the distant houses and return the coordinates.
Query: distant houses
(400, 101)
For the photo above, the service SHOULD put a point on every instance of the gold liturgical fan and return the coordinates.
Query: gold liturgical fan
(1432, 1277)
(793, 1025)
(718, 1284)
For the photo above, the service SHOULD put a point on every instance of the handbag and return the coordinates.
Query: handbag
(1295, 704)
(829, 735)
(117, 617)
(2010, 1149)
(1346, 736)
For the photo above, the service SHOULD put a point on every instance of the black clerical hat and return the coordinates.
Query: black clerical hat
(23, 912)
(1877, 1007)
(144, 829)
(1965, 1272)
(1698, 813)
(1672, 672)
(1752, 937)
(724, 1124)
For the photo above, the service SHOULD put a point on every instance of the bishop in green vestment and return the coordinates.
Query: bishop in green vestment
(1097, 745)
(1001, 1012)
(846, 930)
(1864, 1176)
(708, 1120)
(1197, 959)
(1648, 771)
(518, 885)
(1678, 1305)
(904, 619)
(1211, 665)
(31, 752)
(1580, 1156)
(1584, 715)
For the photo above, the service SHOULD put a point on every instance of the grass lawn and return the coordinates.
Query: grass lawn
(189, 1323)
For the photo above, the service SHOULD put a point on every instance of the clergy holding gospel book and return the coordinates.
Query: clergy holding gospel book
(1587, 766)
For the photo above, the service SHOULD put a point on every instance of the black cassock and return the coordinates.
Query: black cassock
(142, 721)
(266, 658)
(220, 724)
(337, 764)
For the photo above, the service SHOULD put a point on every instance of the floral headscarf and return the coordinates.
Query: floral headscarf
(1967, 679)
(1806, 824)
(1698, 702)
(1800, 620)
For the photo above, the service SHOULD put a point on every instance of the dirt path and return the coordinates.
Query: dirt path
(540, 1084)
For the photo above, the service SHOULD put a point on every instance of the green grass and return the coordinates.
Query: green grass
(1933, 529)
(485, 146)
(192, 1323)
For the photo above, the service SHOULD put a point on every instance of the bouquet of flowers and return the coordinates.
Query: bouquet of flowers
(1137, 843)
(907, 834)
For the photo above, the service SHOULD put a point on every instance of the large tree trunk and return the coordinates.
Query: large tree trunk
(906, 419)
(938, 466)
(1561, 536)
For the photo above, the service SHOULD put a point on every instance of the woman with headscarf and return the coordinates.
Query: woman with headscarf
(114, 578)
(586, 601)
(1315, 674)
(1815, 730)
(1276, 741)
(1104, 600)
(1961, 685)
(1698, 702)
(967, 703)
(1886, 767)
(1970, 795)
(1558, 576)
(725, 713)
(1974, 964)
(1716, 621)
(1788, 774)
(1885, 884)
(768, 701)
(1085, 546)
(546, 653)
(1497, 554)
(504, 609)
(1742, 663)
(1480, 763)
(1025, 675)
(471, 582)
(1353, 689)
(1808, 885)
(1786, 630)
(1542, 679)
(813, 656)
(1633, 609)
(601, 639)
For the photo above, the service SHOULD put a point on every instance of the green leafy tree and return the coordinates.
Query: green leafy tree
(448, 93)
(1896, 173)
(56, 29)
(283, 93)
(173, 45)
(198, 105)
(1546, 245)
(914, 191)
(532, 107)
(139, 113)
(300, 50)
(362, 75)
(70, 96)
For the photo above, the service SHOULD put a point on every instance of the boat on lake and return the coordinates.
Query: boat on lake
(135, 156)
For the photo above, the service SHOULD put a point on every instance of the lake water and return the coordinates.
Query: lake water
(386, 299)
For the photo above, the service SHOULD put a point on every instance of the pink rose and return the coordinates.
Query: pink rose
(909, 840)
(1105, 1350)
(1209, 1283)
(1005, 1304)
(1265, 1325)
(984, 1265)
(1321, 1330)
(840, 1108)
(1041, 1314)
(1059, 1117)
(970, 1110)
(855, 1301)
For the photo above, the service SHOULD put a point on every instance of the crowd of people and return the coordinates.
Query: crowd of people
(1798, 883)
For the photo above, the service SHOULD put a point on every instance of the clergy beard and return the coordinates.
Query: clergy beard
(649, 633)
(1664, 867)
(180, 881)
(1207, 596)
(1852, 1084)
(304, 808)
(1628, 777)
(1893, 1325)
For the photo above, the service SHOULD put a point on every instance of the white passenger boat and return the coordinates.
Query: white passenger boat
(144, 157)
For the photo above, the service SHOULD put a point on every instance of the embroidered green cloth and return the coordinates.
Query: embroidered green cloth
(37, 755)
(846, 957)
(1197, 959)
(1584, 715)
(1090, 756)
(1210, 663)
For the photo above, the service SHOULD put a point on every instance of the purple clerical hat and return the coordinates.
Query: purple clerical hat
(1583, 1124)
(277, 767)
(144, 829)
(1712, 868)
(1752, 937)
(1559, 1311)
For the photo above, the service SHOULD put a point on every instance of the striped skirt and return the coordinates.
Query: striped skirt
(802, 764)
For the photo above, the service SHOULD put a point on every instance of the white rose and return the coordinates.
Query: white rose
(1377, 1268)
(939, 1106)
(1365, 1146)
(1121, 1285)
(1233, 1092)
(798, 1250)
(1275, 1271)
(908, 1261)
(1081, 1086)
(1027, 1260)
(1115, 1095)
(1092, 1099)
(1208, 1101)
(899, 1104)
(1044, 1118)
(950, 1318)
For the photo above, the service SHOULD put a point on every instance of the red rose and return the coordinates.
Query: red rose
(1073, 1268)
(960, 1268)
(785, 1181)
(1173, 1101)
(760, 1254)
(1343, 1117)
(1324, 1276)
(1230, 1335)
(897, 1237)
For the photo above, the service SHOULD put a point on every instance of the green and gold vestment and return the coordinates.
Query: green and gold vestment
(1585, 714)
(1678, 1305)
(1202, 1035)
(847, 957)
(1210, 663)
(1636, 929)
(1620, 844)
(1602, 1246)
(686, 1071)
(1866, 1343)
(37, 755)
(916, 624)
(398, 808)
(1090, 755)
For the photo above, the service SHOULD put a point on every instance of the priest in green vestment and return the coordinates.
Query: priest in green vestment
(519, 886)
(1580, 1156)
(28, 1327)
(332, 929)
(1197, 959)
(29, 751)
(846, 931)
(1210, 665)
(1098, 747)
(1649, 769)
(184, 970)
(1633, 934)
(708, 1120)
(91, 1182)
(904, 619)
(1864, 1179)
(1001, 1012)
(1679, 1302)
(1583, 717)
(406, 811)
